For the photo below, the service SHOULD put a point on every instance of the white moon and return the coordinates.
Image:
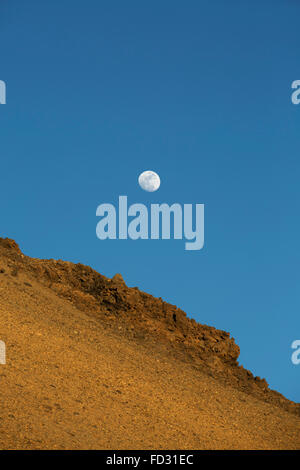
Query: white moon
(149, 181)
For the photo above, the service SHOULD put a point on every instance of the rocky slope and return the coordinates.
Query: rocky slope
(82, 349)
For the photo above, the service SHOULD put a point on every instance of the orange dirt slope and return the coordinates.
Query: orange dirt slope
(93, 364)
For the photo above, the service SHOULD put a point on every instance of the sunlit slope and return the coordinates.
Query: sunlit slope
(85, 370)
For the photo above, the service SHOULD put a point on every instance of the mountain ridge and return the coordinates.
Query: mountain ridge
(83, 349)
(89, 290)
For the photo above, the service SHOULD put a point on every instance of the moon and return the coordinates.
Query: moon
(149, 181)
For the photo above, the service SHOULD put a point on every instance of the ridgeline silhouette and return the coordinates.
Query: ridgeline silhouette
(88, 356)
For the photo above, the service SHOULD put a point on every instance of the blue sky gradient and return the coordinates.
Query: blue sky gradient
(199, 92)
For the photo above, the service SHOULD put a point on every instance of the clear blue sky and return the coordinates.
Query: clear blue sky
(199, 91)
